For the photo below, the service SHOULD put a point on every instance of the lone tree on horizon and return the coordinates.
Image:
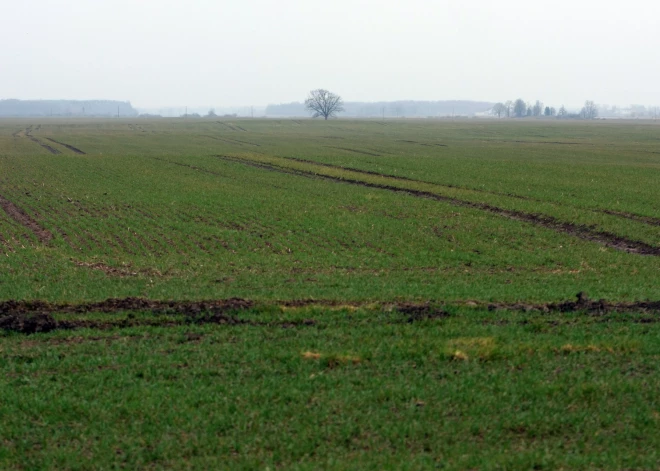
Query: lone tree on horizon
(323, 103)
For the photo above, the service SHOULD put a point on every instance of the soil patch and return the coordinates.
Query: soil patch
(30, 317)
(420, 312)
(21, 217)
(28, 323)
(582, 303)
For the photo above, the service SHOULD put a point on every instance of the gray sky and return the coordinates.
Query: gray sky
(242, 52)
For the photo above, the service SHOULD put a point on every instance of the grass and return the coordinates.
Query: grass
(361, 388)
(163, 199)
(367, 217)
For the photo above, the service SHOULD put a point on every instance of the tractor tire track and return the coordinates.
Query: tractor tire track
(24, 219)
(28, 133)
(232, 127)
(604, 238)
(68, 146)
(633, 217)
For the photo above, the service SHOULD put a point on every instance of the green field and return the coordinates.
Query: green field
(402, 288)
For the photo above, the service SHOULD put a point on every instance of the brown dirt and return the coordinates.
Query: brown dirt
(581, 304)
(419, 312)
(70, 147)
(607, 239)
(24, 219)
(28, 323)
(37, 316)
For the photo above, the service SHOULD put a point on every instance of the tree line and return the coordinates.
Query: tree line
(521, 109)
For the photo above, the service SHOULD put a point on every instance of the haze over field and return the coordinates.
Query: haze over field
(206, 52)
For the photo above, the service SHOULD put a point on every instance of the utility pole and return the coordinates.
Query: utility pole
(117, 111)
(252, 111)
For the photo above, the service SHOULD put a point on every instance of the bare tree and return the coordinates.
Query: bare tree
(499, 109)
(589, 110)
(321, 102)
(537, 109)
(562, 112)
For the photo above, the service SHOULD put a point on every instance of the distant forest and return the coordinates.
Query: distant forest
(32, 108)
(391, 109)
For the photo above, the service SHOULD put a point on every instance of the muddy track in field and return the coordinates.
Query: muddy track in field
(28, 133)
(607, 239)
(633, 217)
(24, 219)
(407, 179)
(37, 316)
(68, 146)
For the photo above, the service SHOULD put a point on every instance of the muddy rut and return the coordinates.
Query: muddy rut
(30, 317)
(68, 146)
(607, 239)
(24, 219)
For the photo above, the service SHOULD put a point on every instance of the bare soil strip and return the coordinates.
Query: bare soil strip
(354, 150)
(607, 239)
(68, 146)
(21, 217)
(37, 316)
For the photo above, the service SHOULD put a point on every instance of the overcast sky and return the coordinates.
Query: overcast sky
(254, 52)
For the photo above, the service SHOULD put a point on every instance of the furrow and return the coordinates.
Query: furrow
(607, 239)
